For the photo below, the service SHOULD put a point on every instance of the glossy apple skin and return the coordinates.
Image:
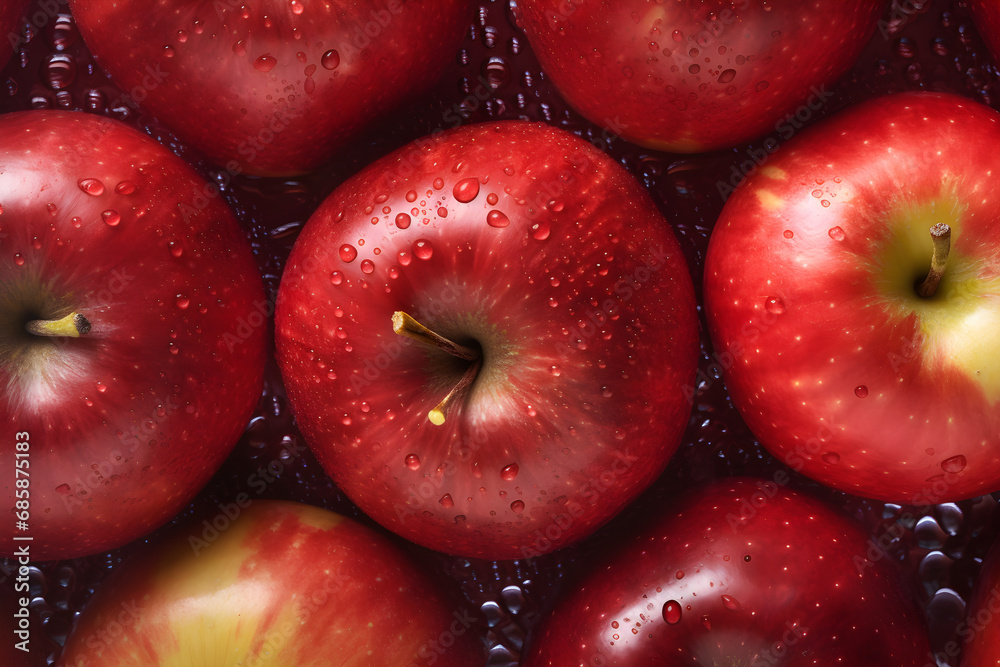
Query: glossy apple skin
(694, 75)
(284, 584)
(835, 363)
(979, 634)
(749, 566)
(568, 421)
(987, 16)
(10, 12)
(260, 94)
(126, 423)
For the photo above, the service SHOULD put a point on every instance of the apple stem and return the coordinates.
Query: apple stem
(941, 237)
(73, 325)
(405, 325)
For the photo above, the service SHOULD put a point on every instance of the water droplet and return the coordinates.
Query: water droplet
(111, 218)
(679, 574)
(730, 602)
(509, 472)
(412, 461)
(833, 458)
(672, 612)
(336, 277)
(497, 219)
(540, 230)
(466, 190)
(761, 85)
(403, 257)
(788, 234)
(492, 199)
(60, 71)
(774, 305)
(705, 622)
(125, 188)
(91, 186)
(63, 489)
(422, 249)
(330, 59)
(837, 234)
(297, 7)
(861, 391)
(438, 183)
(403, 220)
(825, 203)
(182, 302)
(954, 464)
(348, 253)
(727, 76)
(694, 69)
(446, 501)
(517, 506)
(367, 266)
(817, 193)
(168, 51)
(265, 63)
(239, 48)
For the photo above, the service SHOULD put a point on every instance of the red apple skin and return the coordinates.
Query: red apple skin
(10, 12)
(259, 94)
(986, 14)
(759, 575)
(628, 65)
(835, 363)
(980, 632)
(126, 423)
(284, 584)
(567, 421)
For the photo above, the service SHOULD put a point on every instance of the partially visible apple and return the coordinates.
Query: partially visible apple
(987, 16)
(695, 75)
(979, 633)
(271, 87)
(571, 331)
(10, 12)
(840, 359)
(283, 584)
(743, 572)
(132, 334)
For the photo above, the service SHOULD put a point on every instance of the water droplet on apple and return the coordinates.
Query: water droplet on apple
(403, 220)
(183, 302)
(422, 249)
(509, 472)
(239, 48)
(731, 603)
(761, 85)
(367, 266)
(111, 218)
(297, 7)
(497, 219)
(168, 51)
(774, 305)
(606, 392)
(833, 458)
(825, 203)
(438, 183)
(492, 199)
(411, 196)
(403, 257)
(954, 464)
(672, 612)
(705, 622)
(540, 230)
(466, 190)
(60, 71)
(837, 234)
(446, 501)
(18, 259)
(125, 188)
(348, 253)
(51, 208)
(517, 506)
(91, 186)
(788, 233)
(412, 461)
(336, 277)
(331, 60)
(63, 489)
(265, 63)
(861, 391)
(727, 76)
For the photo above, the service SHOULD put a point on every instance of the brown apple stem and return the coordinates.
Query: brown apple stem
(73, 325)
(941, 237)
(405, 325)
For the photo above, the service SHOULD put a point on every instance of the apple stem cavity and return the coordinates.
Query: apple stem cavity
(405, 325)
(941, 238)
(73, 325)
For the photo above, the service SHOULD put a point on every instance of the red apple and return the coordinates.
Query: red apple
(987, 16)
(271, 86)
(10, 35)
(695, 75)
(132, 335)
(743, 572)
(565, 289)
(978, 636)
(813, 294)
(283, 584)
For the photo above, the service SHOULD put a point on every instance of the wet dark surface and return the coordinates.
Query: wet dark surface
(495, 75)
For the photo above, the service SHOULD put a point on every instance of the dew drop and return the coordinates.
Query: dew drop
(367, 266)
(348, 253)
(438, 183)
(774, 305)
(466, 190)
(861, 391)
(540, 230)
(832, 458)
(837, 234)
(761, 85)
(412, 461)
(672, 612)
(330, 59)
(727, 76)
(497, 219)
(730, 602)
(517, 506)
(336, 277)
(125, 188)
(422, 249)
(509, 472)
(403, 220)
(239, 48)
(91, 186)
(446, 501)
(492, 199)
(404, 258)
(954, 464)
(182, 302)
(265, 63)
(168, 51)
(788, 234)
(411, 196)
(679, 574)
(111, 218)
(705, 622)
(825, 203)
